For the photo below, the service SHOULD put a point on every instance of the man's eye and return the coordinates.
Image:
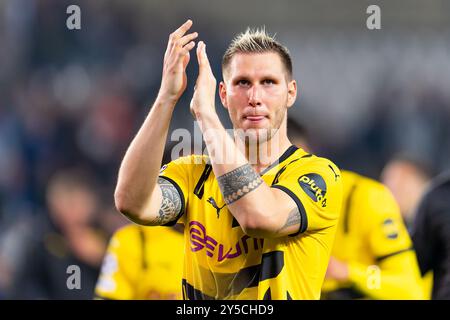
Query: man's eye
(268, 81)
(243, 83)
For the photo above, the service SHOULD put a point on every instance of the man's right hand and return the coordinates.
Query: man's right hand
(139, 195)
(176, 58)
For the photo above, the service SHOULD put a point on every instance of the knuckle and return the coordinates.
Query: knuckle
(178, 51)
(177, 43)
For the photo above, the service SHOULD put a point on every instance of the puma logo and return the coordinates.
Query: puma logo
(214, 204)
(335, 174)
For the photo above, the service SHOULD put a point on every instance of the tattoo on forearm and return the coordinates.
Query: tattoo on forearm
(170, 204)
(237, 183)
(293, 218)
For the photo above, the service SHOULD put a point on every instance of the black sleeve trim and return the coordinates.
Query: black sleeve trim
(289, 151)
(200, 187)
(379, 259)
(183, 205)
(143, 248)
(348, 205)
(301, 209)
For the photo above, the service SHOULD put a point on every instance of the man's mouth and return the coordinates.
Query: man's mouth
(255, 118)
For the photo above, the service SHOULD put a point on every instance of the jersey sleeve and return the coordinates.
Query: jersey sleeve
(116, 280)
(395, 272)
(387, 232)
(178, 172)
(315, 186)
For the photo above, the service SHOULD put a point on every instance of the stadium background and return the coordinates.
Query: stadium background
(75, 98)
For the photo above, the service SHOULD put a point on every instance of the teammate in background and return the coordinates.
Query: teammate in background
(431, 235)
(407, 178)
(258, 228)
(142, 263)
(69, 237)
(372, 256)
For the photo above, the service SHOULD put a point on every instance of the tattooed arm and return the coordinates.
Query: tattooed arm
(165, 207)
(138, 194)
(260, 210)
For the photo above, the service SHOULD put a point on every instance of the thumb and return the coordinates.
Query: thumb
(202, 58)
(186, 59)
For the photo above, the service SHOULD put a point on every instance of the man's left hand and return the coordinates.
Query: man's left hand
(337, 270)
(203, 101)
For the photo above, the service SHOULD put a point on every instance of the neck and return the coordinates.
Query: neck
(261, 154)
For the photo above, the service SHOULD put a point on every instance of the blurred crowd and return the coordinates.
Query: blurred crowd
(71, 102)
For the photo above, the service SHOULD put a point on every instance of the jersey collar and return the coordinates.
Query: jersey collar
(289, 151)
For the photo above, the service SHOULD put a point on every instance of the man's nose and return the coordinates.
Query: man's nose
(254, 98)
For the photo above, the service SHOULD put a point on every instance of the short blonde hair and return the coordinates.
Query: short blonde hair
(257, 41)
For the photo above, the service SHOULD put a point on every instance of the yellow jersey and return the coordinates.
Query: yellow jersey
(142, 263)
(374, 242)
(222, 262)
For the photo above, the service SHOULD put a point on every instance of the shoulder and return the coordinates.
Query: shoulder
(319, 170)
(124, 235)
(193, 159)
(365, 184)
(316, 177)
(312, 173)
(191, 163)
(302, 160)
(373, 196)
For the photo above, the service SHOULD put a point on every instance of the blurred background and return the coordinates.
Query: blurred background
(71, 101)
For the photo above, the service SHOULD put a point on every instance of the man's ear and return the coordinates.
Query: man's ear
(223, 94)
(292, 93)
